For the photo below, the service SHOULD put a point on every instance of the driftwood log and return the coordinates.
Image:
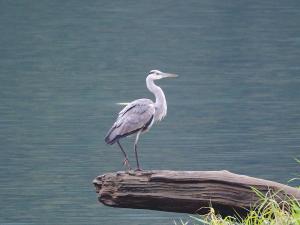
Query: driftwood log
(186, 191)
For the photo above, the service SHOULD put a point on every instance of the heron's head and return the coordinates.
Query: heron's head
(156, 74)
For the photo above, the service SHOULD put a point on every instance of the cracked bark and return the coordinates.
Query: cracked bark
(186, 191)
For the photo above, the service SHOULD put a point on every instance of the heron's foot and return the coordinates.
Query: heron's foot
(138, 170)
(134, 172)
(126, 164)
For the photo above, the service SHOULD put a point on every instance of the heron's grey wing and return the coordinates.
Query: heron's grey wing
(139, 102)
(135, 116)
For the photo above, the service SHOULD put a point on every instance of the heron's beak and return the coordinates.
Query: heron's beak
(164, 75)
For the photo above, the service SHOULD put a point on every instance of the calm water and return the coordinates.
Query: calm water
(64, 65)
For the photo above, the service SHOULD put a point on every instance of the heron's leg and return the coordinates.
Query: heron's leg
(135, 150)
(126, 161)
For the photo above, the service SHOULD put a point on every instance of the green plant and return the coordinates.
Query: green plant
(269, 211)
(298, 177)
(296, 212)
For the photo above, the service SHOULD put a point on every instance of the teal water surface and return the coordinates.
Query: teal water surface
(65, 64)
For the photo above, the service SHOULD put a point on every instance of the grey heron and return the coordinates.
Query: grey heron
(138, 116)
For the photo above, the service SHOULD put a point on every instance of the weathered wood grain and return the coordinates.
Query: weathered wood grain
(186, 191)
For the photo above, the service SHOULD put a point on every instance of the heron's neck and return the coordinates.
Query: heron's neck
(160, 99)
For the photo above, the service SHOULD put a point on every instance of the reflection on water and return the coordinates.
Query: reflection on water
(64, 65)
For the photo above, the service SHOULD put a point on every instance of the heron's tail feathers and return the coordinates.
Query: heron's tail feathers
(115, 133)
(111, 138)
